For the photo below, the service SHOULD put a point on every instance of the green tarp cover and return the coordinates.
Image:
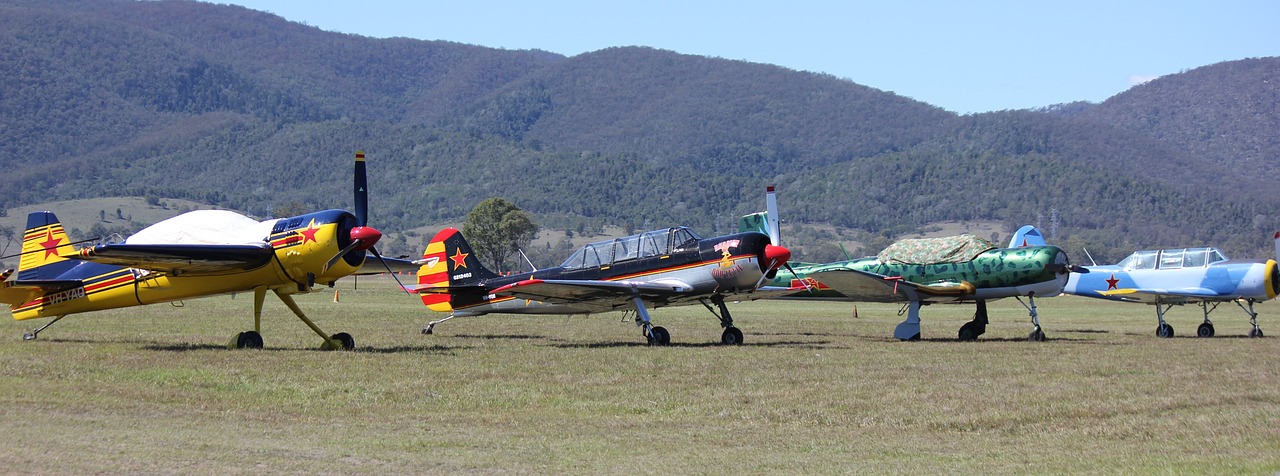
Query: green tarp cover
(948, 249)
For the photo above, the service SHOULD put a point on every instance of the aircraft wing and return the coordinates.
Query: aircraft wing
(872, 287)
(1166, 296)
(18, 292)
(592, 294)
(188, 259)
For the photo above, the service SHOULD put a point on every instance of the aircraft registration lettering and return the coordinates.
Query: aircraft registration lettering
(462, 276)
(64, 296)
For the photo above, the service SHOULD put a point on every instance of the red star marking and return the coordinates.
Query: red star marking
(309, 234)
(459, 259)
(50, 245)
(1111, 283)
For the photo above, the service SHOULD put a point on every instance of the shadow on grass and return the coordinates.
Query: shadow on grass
(425, 349)
(499, 336)
(690, 345)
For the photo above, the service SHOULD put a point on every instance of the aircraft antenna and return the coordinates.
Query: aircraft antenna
(1086, 253)
(526, 259)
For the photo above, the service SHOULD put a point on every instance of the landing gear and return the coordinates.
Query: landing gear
(1205, 330)
(978, 326)
(656, 335)
(1037, 334)
(36, 333)
(339, 341)
(1253, 319)
(1163, 329)
(909, 329)
(432, 325)
(732, 335)
(246, 340)
(253, 339)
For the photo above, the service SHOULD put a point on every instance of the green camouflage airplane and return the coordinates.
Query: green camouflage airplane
(919, 272)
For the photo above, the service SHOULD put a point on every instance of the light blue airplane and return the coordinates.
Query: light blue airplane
(1166, 278)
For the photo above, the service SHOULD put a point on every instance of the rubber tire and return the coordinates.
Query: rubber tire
(1036, 336)
(659, 336)
(731, 336)
(1255, 332)
(1205, 330)
(249, 340)
(969, 331)
(348, 342)
(1164, 331)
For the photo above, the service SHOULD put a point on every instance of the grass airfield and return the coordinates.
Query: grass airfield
(813, 390)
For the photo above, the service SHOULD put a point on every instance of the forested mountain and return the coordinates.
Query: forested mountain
(243, 109)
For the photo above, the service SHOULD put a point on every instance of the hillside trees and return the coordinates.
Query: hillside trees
(496, 229)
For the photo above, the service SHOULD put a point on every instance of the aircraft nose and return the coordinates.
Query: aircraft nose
(776, 255)
(366, 235)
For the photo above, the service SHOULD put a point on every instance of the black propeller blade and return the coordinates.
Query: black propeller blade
(362, 191)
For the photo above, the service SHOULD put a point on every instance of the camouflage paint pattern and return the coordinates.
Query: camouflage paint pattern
(995, 268)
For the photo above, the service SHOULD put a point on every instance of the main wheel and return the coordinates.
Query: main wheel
(731, 336)
(659, 336)
(970, 331)
(1205, 330)
(1036, 335)
(1164, 331)
(1255, 332)
(348, 342)
(248, 340)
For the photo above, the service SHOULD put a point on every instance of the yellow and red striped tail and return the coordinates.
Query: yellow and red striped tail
(434, 273)
(449, 264)
(44, 242)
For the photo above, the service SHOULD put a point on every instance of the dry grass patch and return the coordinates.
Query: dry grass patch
(814, 390)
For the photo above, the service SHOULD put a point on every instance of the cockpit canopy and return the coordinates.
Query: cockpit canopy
(653, 243)
(1172, 259)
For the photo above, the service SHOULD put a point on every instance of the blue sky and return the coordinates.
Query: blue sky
(964, 56)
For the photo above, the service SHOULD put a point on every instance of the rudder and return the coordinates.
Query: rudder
(44, 245)
(448, 262)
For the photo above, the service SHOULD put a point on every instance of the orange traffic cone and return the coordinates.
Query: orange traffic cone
(855, 311)
(335, 296)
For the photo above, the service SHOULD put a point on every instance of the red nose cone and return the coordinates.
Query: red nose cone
(776, 254)
(367, 236)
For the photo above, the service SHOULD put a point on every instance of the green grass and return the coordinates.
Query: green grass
(814, 390)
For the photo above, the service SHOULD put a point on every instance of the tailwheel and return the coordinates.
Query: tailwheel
(339, 341)
(731, 336)
(1205, 330)
(246, 340)
(1255, 332)
(1036, 335)
(659, 336)
(1164, 331)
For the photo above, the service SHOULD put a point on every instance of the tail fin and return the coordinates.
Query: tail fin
(448, 262)
(1027, 236)
(45, 248)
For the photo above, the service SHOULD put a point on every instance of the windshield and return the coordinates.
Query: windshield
(642, 245)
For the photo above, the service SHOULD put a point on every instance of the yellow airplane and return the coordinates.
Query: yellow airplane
(197, 254)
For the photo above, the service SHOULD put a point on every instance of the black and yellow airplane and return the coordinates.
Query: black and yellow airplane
(197, 254)
(666, 267)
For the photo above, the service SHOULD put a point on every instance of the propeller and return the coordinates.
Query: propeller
(363, 237)
(776, 256)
